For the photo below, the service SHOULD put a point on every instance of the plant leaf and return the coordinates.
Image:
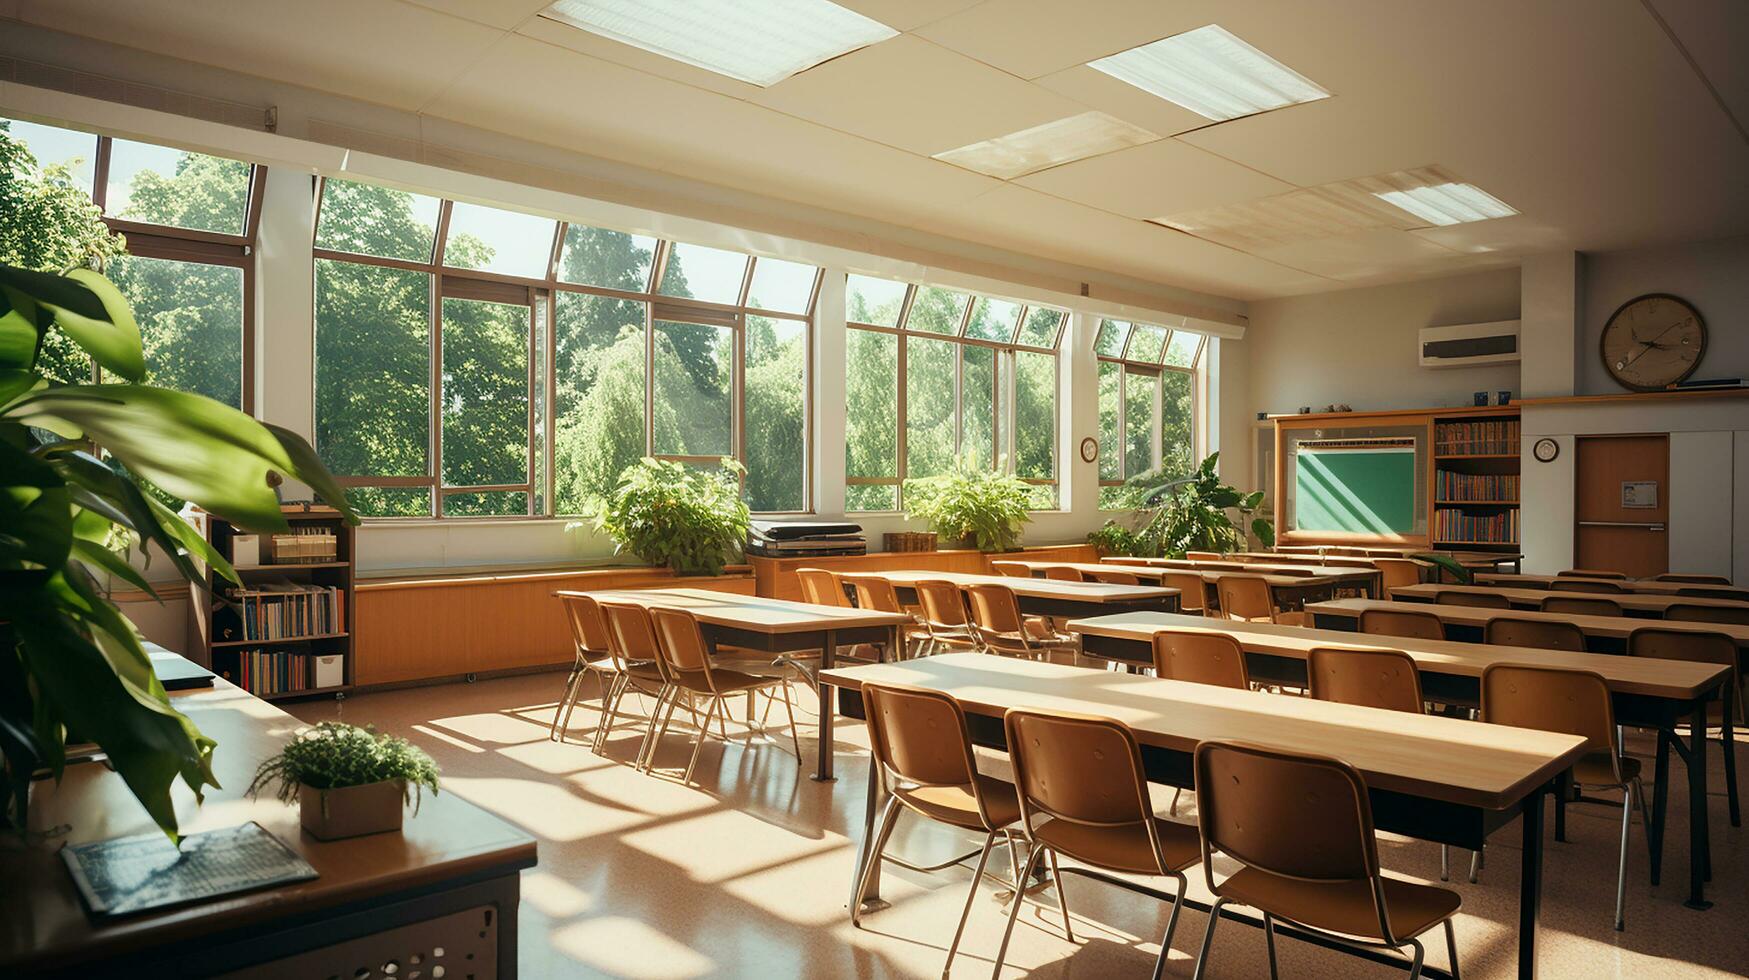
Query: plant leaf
(309, 468)
(1446, 562)
(19, 332)
(113, 338)
(35, 511)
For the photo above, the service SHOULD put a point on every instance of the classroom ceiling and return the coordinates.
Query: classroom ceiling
(1606, 124)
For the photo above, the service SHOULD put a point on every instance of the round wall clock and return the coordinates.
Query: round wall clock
(1652, 342)
(1089, 449)
(1545, 450)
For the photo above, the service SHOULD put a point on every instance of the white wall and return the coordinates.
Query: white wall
(1358, 346)
(1712, 276)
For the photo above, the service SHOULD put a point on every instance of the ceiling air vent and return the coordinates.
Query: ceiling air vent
(1470, 344)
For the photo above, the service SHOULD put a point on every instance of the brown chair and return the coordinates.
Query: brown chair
(1576, 606)
(692, 677)
(1395, 572)
(944, 615)
(1247, 598)
(1192, 591)
(1012, 569)
(1544, 634)
(1114, 577)
(1372, 678)
(1598, 586)
(1573, 702)
(1694, 612)
(999, 626)
(878, 594)
(1590, 573)
(1713, 648)
(1693, 579)
(591, 658)
(1478, 600)
(822, 587)
(1084, 795)
(1200, 658)
(922, 749)
(1411, 623)
(632, 641)
(1064, 573)
(1300, 828)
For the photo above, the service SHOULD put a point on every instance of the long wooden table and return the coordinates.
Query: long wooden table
(1645, 585)
(1286, 591)
(1603, 634)
(1468, 559)
(778, 626)
(1429, 777)
(1359, 575)
(1039, 597)
(1643, 605)
(449, 865)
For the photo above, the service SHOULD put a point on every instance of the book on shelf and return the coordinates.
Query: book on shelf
(1449, 485)
(281, 610)
(1490, 437)
(1457, 526)
(270, 671)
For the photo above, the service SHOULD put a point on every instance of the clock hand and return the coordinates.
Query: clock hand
(1646, 345)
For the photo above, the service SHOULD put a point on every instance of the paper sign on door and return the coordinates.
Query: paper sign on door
(1639, 495)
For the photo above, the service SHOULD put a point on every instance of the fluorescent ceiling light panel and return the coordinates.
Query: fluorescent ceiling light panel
(1449, 204)
(1056, 142)
(757, 41)
(1211, 72)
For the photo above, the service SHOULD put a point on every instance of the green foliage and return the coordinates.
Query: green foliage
(1445, 562)
(693, 521)
(334, 756)
(974, 503)
(1192, 514)
(69, 660)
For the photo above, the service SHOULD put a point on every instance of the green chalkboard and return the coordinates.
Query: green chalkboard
(1370, 491)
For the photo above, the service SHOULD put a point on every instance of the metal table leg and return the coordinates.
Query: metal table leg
(828, 708)
(872, 898)
(1699, 846)
(1530, 884)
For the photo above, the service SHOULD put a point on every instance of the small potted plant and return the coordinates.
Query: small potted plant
(1175, 516)
(691, 520)
(983, 507)
(348, 781)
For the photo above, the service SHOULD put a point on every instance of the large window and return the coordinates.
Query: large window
(1147, 408)
(189, 221)
(937, 376)
(476, 362)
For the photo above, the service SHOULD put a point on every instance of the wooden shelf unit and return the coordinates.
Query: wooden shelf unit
(211, 617)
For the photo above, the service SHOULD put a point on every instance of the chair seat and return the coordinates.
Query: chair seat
(955, 805)
(1296, 617)
(729, 679)
(608, 665)
(1595, 770)
(1344, 907)
(1123, 848)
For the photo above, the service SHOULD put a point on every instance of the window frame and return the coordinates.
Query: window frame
(1157, 369)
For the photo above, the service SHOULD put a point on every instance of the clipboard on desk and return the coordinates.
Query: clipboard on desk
(147, 873)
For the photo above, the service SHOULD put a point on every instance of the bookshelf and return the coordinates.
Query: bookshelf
(277, 635)
(1476, 480)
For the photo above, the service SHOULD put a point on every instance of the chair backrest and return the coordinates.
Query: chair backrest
(994, 608)
(1204, 555)
(1702, 592)
(877, 594)
(1576, 606)
(1246, 597)
(822, 587)
(1695, 613)
(1063, 573)
(1591, 573)
(1668, 644)
(1115, 577)
(1012, 569)
(1201, 658)
(588, 626)
(1192, 590)
(1300, 816)
(1079, 771)
(681, 642)
(1370, 678)
(941, 601)
(1397, 571)
(1551, 699)
(1696, 579)
(1600, 586)
(1480, 600)
(920, 737)
(631, 635)
(1411, 623)
(1540, 633)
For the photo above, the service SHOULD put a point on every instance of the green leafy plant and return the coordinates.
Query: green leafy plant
(333, 755)
(1446, 562)
(691, 520)
(984, 506)
(71, 665)
(1193, 514)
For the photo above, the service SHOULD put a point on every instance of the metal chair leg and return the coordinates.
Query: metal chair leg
(1445, 862)
(1032, 860)
(659, 722)
(1420, 955)
(789, 710)
(1451, 949)
(1062, 897)
(609, 711)
(1171, 926)
(971, 897)
(1177, 792)
(889, 816)
(565, 701)
(1208, 939)
(704, 732)
(1621, 869)
(1269, 942)
(1475, 865)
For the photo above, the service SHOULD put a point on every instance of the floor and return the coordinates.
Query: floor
(746, 872)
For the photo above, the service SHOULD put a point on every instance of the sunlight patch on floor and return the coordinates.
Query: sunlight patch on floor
(629, 948)
(726, 844)
(491, 726)
(544, 809)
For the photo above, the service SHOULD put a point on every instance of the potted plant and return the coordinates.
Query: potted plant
(348, 781)
(693, 521)
(980, 506)
(1192, 514)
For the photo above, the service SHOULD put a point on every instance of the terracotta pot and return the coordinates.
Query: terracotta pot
(351, 811)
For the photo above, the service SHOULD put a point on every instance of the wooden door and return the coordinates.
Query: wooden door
(1623, 504)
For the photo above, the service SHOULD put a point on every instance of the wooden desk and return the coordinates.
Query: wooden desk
(778, 626)
(1040, 597)
(1286, 591)
(1642, 585)
(452, 859)
(1642, 605)
(1430, 777)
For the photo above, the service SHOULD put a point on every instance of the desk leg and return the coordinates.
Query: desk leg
(1728, 744)
(1700, 858)
(1563, 790)
(1660, 804)
(828, 708)
(872, 898)
(1530, 885)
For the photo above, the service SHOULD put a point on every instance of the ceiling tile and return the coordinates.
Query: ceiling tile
(1716, 34)
(1030, 38)
(596, 46)
(907, 15)
(504, 14)
(1165, 177)
(1370, 255)
(1122, 100)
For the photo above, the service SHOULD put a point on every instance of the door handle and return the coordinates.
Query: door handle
(1650, 526)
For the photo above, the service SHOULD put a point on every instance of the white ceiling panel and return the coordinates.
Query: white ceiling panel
(502, 14)
(596, 46)
(1030, 38)
(1122, 100)
(917, 96)
(1368, 256)
(1164, 177)
(907, 15)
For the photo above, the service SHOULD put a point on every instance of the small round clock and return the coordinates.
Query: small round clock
(1652, 342)
(1089, 449)
(1545, 450)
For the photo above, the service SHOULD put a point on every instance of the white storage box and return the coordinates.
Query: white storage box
(330, 671)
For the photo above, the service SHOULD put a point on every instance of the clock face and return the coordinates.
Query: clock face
(1653, 342)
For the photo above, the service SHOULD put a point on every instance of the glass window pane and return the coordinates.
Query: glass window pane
(1145, 342)
(783, 286)
(599, 397)
(1116, 498)
(165, 186)
(699, 272)
(508, 243)
(993, 319)
(610, 259)
(1110, 413)
(1140, 392)
(390, 501)
(485, 393)
(977, 405)
(373, 369)
(1177, 424)
(191, 323)
(486, 503)
(871, 411)
(1040, 328)
(936, 310)
(1041, 496)
(52, 147)
(693, 363)
(775, 391)
(1182, 351)
(929, 407)
(871, 496)
(870, 300)
(1111, 337)
(1035, 415)
(371, 220)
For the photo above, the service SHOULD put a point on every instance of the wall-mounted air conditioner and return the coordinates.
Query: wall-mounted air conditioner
(1470, 344)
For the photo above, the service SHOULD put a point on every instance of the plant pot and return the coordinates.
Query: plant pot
(352, 811)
